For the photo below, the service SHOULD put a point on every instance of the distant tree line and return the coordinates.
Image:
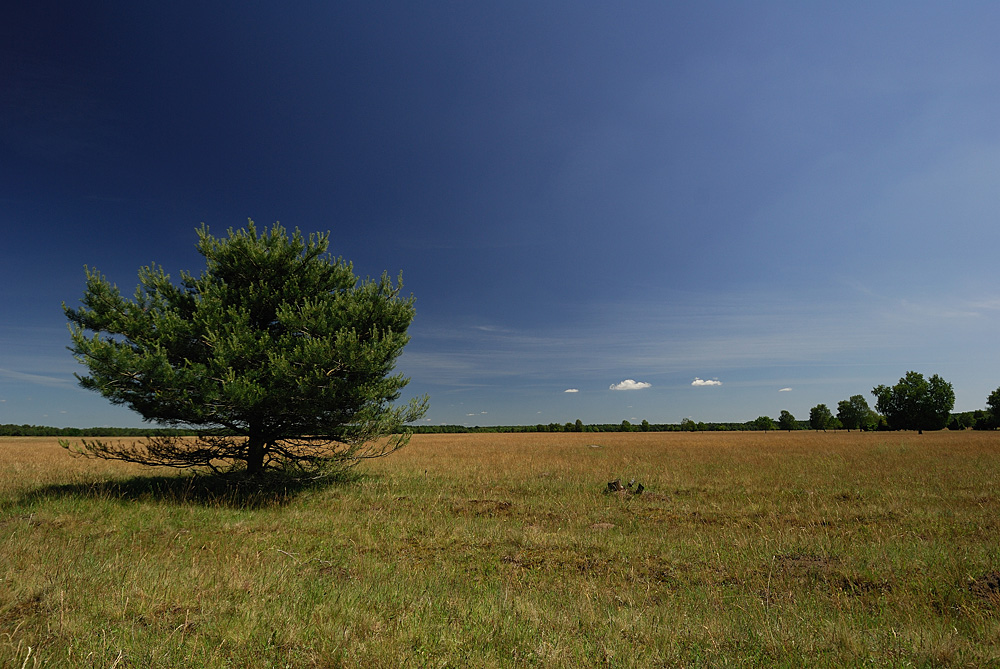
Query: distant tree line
(686, 425)
(11, 430)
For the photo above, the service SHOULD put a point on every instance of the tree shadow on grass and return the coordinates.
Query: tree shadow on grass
(226, 490)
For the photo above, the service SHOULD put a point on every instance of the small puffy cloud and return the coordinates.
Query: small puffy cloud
(630, 384)
(705, 382)
(784, 390)
(572, 390)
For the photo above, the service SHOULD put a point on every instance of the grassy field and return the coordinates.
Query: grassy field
(746, 549)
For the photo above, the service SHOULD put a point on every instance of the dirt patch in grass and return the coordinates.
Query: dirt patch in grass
(171, 617)
(482, 507)
(804, 563)
(27, 607)
(986, 588)
(829, 569)
(560, 561)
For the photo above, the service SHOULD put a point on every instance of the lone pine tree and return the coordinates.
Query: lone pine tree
(277, 354)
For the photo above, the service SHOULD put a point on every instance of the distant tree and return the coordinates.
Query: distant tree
(763, 423)
(644, 426)
(962, 421)
(915, 403)
(959, 422)
(578, 426)
(820, 417)
(276, 353)
(855, 414)
(688, 425)
(983, 420)
(786, 421)
(992, 420)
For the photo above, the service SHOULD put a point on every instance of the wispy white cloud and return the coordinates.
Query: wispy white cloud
(37, 379)
(706, 382)
(630, 384)
(496, 329)
(572, 390)
(784, 390)
(985, 304)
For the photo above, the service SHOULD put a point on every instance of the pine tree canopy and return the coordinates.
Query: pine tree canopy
(277, 352)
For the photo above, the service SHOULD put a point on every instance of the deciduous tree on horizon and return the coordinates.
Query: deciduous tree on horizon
(916, 403)
(820, 417)
(855, 414)
(786, 421)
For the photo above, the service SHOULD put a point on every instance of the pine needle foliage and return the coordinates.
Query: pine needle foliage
(277, 353)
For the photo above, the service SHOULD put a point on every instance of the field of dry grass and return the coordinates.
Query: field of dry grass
(745, 549)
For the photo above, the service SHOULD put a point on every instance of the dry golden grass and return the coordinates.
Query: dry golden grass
(29, 462)
(746, 549)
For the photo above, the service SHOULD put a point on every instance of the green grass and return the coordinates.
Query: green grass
(797, 549)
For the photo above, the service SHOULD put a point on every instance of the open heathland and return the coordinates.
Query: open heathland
(499, 550)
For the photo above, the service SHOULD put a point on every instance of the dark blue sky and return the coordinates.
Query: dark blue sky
(794, 201)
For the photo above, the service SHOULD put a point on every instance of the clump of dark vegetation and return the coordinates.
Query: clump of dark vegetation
(616, 488)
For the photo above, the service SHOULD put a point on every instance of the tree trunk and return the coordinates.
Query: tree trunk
(255, 451)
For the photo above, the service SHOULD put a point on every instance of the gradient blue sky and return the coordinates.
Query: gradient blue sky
(795, 201)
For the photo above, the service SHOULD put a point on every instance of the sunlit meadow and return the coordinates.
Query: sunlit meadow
(488, 550)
